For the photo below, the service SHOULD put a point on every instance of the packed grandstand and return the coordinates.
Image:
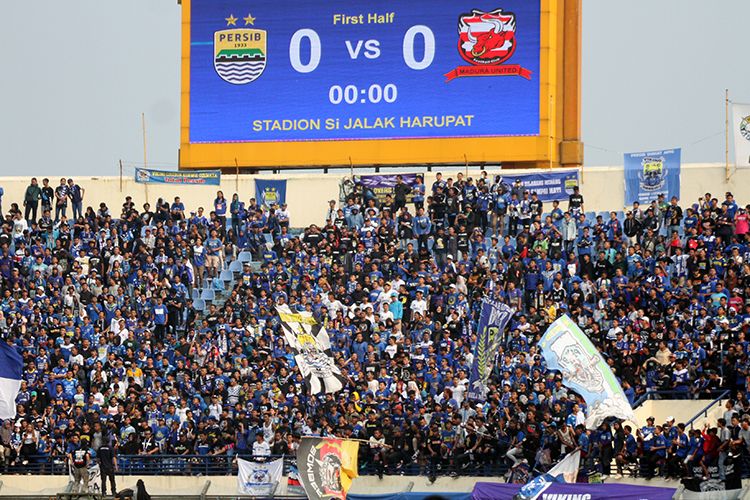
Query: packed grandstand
(153, 331)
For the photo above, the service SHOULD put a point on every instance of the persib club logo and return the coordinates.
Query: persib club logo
(486, 40)
(270, 196)
(653, 175)
(745, 128)
(240, 53)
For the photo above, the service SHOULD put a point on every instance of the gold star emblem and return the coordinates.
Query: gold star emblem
(249, 20)
(231, 20)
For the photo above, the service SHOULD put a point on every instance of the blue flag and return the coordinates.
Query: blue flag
(492, 321)
(11, 373)
(269, 193)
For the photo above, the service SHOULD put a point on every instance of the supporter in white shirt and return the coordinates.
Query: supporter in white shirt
(214, 409)
(75, 359)
(391, 349)
(418, 305)
(612, 332)
(385, 313)
(459, 390)
(19, 226)
(99, 398)
(260, 446)
(372, 383)
(334, 305)
(123, 332)
(182, 413)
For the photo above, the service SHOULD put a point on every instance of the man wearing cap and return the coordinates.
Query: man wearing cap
(331, 212)
(105, 456)
(646, 434)
(79, 458)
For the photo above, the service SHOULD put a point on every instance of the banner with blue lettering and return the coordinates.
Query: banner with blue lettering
(651, 173)
(582, 491)
(549, 186)
(492, 321)
(270, 193)
(195, 177)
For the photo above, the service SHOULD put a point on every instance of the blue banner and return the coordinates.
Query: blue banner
(651, 173)
(549, 186)
(197, 177)
(492, 322)
(357, 69)
(270, 193)
(383, 185)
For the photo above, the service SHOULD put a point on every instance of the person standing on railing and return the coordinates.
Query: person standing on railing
(61, 200)
(107, 466)
(31, 200)
(79, 458)
(76, 192)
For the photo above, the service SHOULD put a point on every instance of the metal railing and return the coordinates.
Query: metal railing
(704, 412)
(660, 395)
(226, 465)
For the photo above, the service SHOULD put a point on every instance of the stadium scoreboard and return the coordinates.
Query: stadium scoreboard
(273, 84)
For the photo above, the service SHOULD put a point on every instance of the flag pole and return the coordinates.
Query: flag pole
(145, 161)
(343, 439)
(143, 126)
(726, 133)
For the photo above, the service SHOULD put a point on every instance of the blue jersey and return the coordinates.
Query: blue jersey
(160, 314)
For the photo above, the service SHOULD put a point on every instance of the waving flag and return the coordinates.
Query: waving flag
(564, 472)
(327, 466)
(258, 478)
(567, 349)
(11, 373)
(312, 350)
(741, 127)
(492, 321)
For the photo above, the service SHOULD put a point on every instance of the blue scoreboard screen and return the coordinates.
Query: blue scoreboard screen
(267, 71)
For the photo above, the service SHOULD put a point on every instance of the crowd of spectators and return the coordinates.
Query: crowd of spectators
(102, 307)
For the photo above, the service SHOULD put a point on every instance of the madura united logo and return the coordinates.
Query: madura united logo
(486, 40)
(240, 53)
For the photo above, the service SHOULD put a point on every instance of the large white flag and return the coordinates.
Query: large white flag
(564, 472)
(567, 349)
(259, 478)
(312, 350)
(741, 131)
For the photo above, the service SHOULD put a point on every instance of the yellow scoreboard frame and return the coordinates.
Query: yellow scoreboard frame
(558, 143)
